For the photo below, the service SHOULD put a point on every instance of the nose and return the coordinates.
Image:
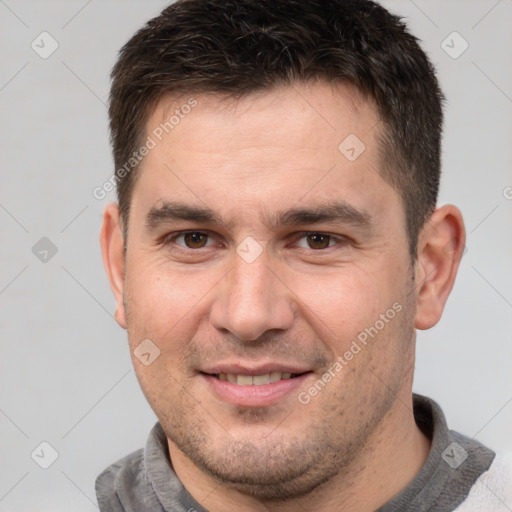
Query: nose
(252, 300)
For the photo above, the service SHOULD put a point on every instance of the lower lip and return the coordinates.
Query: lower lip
(255, 396)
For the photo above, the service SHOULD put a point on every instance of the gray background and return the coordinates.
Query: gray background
(65, 373)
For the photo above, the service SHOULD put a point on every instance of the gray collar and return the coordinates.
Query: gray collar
(145, 479)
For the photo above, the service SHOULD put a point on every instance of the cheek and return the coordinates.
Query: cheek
(164, 305)
(342, 304)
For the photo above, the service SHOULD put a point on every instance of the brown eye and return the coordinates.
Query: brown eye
(195, 240)
(318, 241)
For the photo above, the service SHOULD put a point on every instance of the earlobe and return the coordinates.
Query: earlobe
(440, 249)
(112, 249)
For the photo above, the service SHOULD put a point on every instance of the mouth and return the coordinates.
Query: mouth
(256, 380)
(255, 388)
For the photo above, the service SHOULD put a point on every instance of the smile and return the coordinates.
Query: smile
(259, 389)
(255, 380)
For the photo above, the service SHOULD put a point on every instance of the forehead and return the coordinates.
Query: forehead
(323, 106)
(309, 142)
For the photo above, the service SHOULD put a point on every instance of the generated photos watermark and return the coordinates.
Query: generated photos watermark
(152, 140)
(355, 348)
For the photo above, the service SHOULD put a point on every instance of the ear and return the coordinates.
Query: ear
(440, 249)
(112, 249)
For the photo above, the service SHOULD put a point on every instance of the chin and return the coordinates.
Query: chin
(269, 468)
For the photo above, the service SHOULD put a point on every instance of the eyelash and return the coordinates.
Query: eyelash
(172, 237)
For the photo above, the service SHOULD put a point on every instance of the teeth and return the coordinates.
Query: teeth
(275, 376)
(256, 380)
(244, 380)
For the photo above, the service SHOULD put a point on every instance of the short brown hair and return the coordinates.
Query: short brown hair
(235, 47)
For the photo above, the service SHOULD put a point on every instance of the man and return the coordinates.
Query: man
(275, 246)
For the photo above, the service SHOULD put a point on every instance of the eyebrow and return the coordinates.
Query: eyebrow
(333, 212)
(170, 211)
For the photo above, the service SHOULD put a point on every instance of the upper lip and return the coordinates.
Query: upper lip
(254, 369)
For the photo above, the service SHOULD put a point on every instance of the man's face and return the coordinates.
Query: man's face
(264, 289)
